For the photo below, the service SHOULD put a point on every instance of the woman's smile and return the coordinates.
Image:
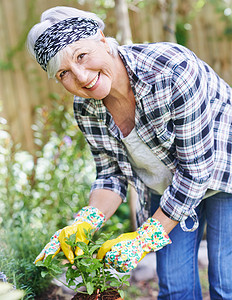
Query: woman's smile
(94, 83)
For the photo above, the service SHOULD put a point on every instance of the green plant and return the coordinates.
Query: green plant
(21, 241)
(35, 191)
(94, 277)
(40, 194)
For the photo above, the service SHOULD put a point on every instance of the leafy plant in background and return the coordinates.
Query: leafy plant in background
(64, 166)
(93, 275)
(20, 241)
(56, 180)
(224, 9)
(40, 193)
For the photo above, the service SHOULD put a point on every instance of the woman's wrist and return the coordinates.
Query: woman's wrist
(167, 223)
(106, 201)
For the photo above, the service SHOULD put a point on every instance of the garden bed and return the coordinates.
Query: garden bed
(139, 290)
(109, 294)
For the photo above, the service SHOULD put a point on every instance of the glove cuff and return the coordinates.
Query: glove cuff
(154, 234)
(91, 215)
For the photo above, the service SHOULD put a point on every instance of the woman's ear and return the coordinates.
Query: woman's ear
(103, 39)
(102, 34)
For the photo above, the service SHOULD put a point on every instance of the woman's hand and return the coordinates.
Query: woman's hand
(88, 217)
(125, 252)
(53, 247)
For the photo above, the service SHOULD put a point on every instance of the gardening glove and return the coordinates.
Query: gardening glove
(124, 252)
(88, 217)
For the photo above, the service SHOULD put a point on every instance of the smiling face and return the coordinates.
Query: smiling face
(87, 69)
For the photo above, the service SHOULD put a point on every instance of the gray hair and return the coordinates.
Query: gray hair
(55, 15)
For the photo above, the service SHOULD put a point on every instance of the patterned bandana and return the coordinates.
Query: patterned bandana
(61, 34)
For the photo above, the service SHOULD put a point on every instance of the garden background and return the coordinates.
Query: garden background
(46, 168)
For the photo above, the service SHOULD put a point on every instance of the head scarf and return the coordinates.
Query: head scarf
(61, 34)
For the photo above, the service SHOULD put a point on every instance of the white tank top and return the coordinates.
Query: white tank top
(148, 167)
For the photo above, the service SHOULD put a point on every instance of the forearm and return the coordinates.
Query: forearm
(166, 222)
(106, 201)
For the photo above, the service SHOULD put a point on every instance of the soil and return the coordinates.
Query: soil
(53, 293)
(106, 295)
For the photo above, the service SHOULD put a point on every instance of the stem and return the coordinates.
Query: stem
(60, 281)
(83, 278)
(104, 278)
(81, 292)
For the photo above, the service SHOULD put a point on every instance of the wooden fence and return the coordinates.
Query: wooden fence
(24, 85)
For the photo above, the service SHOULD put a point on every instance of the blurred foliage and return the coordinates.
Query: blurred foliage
(21, 241)
(40, 194)
(64, 167)
(54, 183)
(224, 8)
(182, 33)
(186, 13)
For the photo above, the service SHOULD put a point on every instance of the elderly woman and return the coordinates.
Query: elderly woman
(159, 118)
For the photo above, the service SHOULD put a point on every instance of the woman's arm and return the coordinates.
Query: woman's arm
(106, 201)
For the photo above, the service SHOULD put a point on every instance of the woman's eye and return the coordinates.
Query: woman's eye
(80, 56)
(62, 74)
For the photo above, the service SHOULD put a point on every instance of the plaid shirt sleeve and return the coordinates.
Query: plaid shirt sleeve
(192, 121)
(109, 175)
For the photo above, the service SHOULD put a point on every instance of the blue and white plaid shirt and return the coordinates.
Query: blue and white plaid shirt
(183, 113)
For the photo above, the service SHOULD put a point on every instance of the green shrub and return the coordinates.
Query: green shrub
(19, 246)
(41, 192)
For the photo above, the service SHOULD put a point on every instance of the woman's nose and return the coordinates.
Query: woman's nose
(80, 74)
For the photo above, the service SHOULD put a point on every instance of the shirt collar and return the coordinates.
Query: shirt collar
(140, 87)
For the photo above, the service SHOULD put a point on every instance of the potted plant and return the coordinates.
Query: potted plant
(98, 283)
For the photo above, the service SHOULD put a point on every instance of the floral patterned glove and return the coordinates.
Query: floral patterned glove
(88, 217)
(124, 252)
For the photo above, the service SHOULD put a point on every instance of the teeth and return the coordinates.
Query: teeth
(89, 86)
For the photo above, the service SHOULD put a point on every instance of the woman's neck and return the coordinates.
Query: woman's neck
(121, 101)
(121, 87)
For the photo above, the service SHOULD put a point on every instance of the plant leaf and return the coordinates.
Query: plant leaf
(90, 288)
(121, 293)
(82, 246)
(94, 248)
(71, 240)
(48, 260)
(44, 273)
(115, 283)
(79, 285)
(125, 277)
(40, 264)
